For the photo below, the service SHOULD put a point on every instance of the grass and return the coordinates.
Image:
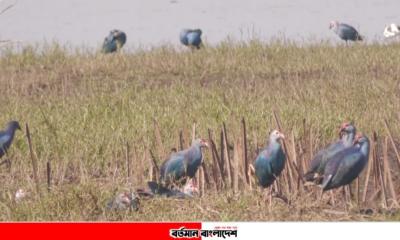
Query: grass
(83, 107)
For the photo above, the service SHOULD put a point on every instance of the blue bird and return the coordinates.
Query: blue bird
(191, 38)
(271, 161)
(7, 136)
(346, 165)
(347, 133)
(114, 41)
(182, 164)
(345, 31)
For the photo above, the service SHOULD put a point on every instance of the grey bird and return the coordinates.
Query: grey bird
(183, 164)
(191, 38)
(114, 41)
(345, 31)
(346, 165)
(347, 133)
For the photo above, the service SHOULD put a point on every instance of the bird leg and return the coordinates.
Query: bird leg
(270, 199)
(332, 198)
(321, 198)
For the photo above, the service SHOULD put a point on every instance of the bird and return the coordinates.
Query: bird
(391, 30)
(270, 161)
(347, 132)
(114, 41)
(191, 38)
(345, 166)
(182, 164)
(124, 201)
(189, 190)
(7, 136)
(345, 31)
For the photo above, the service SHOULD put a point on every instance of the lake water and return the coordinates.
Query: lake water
(155, 22)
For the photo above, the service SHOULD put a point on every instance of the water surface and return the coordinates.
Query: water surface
(155, 22)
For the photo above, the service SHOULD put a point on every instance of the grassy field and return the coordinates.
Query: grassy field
(84, 108)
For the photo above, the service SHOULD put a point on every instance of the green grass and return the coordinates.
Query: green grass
(82, 107)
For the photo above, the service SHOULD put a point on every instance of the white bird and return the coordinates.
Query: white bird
(391, 30)
(20, 195)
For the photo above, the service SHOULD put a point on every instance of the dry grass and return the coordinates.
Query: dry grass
(83, 107)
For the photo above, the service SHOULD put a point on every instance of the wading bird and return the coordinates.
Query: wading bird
(346, 165)
(114, 41)
(7, 136)
(347, 133)
(182, 164)
(191, 38)
(345, 31)
(270, 161)
(391, 30)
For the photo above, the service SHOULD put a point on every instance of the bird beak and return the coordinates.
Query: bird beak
(206, 144)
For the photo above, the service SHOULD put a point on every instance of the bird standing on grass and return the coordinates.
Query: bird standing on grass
(182, 164)
(114, 41)
(345, 166)
(391, 30)
(271, 161)
(191, 38)
(345, 31)
(7, 136)
(347, 133)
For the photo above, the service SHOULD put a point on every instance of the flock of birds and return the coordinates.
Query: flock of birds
(337, 165)
(192, 37)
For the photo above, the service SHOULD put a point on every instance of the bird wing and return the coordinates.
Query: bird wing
(321, 157)
(347, 27)
(193, 38)
(175, 167)
(4, 138)
(337, 166)
(346, 170)
(348, 32)
(264, 168)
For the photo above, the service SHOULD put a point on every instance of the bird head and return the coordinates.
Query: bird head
(275, 135)
(333, 24)
(360, 139)
(14, 125)
(200, 142)
(346, 128)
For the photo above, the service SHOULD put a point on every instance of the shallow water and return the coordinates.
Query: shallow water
(155, 22)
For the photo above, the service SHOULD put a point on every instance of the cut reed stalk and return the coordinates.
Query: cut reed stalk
(245, 157)
(33, 159)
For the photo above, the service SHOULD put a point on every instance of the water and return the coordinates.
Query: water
(155, 22)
